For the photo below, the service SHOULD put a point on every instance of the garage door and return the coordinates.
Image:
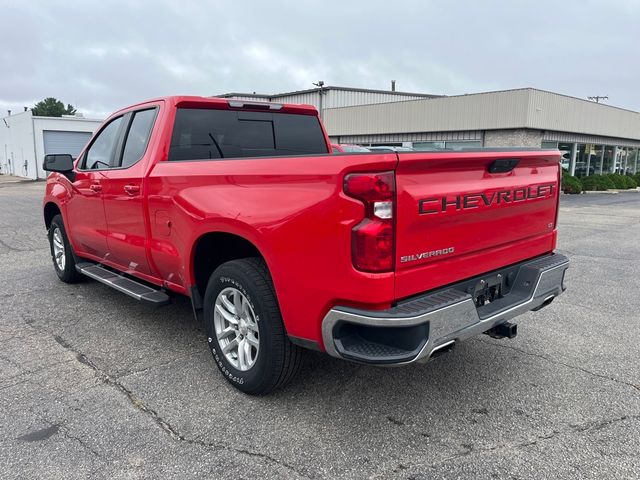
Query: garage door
(65, 142)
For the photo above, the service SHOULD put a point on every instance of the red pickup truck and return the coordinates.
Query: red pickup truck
(379, 258)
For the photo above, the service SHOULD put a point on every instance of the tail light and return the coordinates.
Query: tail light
(558, 189)
(373, 239)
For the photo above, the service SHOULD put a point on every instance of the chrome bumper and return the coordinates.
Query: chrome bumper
(415, 329)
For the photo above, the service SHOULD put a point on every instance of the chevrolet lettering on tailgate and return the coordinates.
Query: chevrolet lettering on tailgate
(483, 199)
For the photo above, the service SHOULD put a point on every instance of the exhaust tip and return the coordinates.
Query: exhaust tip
(442, 349)
(547, 301)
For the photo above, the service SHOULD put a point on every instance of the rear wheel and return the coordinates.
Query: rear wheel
(244, 327)
(61, 253)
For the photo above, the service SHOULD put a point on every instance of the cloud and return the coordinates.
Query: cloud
(102, 56)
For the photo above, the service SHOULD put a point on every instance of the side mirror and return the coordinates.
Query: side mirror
(59, 162)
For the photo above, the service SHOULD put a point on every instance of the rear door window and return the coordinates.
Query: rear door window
(202, 134)
(138, 137)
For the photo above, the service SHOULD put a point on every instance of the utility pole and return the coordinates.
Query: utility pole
(320, 85)
(597, 98)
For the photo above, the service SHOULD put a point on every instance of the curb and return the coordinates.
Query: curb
(14, 180)
(605, 192)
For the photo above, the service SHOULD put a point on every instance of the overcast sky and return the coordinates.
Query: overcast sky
(103, 55)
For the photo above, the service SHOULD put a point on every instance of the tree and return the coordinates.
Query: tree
(52, 107)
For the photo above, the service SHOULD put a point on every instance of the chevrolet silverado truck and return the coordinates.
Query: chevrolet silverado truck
(382, 258)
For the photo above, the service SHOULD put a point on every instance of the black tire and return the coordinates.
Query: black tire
(68, 274)
(277, 360)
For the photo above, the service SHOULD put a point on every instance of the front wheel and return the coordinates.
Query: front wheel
(63, 260)
(244, 327)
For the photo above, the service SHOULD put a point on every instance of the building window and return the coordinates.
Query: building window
(581, 168)
(621, 164)
(463, 145)
(632, 161)
(428, 145)
(588, 158)
(608, 164)
(450, 145)
(548, 144)
(565, 151)
(596, 159)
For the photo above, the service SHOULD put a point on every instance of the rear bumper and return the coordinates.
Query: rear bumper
(417, 328)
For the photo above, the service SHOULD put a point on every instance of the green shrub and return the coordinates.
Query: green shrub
(623, 181)
(618, 180)
(630, 182)
(597, 182)
(571, 184)
(636, 177)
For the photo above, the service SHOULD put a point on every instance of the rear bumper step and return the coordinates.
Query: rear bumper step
(137, 290)
(422, 327)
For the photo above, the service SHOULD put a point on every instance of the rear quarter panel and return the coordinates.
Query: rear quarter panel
(291, 208)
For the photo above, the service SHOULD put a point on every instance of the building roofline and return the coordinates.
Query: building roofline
(239, 94)
(584, 100)
(38, 117)
(329, 87)
(544, 91)
(17, 114)
(74, 119)
(491, 92)
(418, 96)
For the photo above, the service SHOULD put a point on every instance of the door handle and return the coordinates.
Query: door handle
(503, 165)
(132, 189)
(95, 187)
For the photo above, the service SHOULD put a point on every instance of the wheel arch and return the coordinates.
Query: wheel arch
(50, 210)
(214, 248)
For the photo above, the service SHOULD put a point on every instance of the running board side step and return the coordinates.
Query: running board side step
(130, 287)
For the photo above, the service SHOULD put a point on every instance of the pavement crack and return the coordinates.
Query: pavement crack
(7, 387)
(600, 424)
(589, 426)
(151, 367)
(564, 364)
(34, 371)
(9, 247)
(163, 424)
(14, 338)
(66, 433)
(54, 429)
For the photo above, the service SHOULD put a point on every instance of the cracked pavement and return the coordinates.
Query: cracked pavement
(94, 385)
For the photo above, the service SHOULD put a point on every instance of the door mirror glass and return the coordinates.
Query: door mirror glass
(59, 162)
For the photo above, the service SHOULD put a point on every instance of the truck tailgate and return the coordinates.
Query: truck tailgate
(461, 214)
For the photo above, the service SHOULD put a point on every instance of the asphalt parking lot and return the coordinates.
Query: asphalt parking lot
(94, 385)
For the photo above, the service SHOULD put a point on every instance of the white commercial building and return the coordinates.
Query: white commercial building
(25, 140)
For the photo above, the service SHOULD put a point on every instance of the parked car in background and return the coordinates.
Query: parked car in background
(346, 148)
(383, 258)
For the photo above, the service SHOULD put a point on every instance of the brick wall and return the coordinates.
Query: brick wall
(513, 138)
